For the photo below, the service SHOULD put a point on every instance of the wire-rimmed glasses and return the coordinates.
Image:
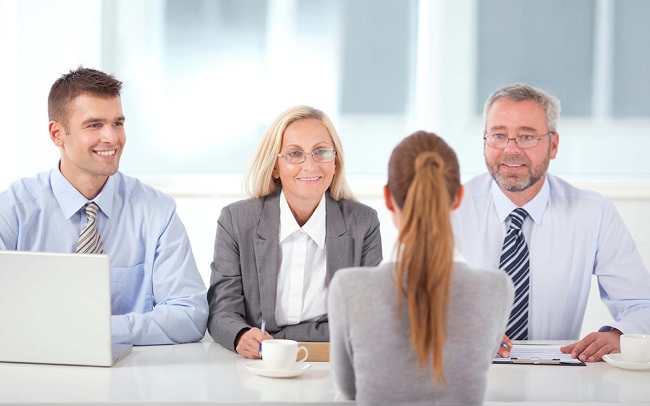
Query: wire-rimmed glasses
(523, 141)
(318, 155)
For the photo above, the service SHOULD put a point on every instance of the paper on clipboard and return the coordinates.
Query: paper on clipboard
(537, 355)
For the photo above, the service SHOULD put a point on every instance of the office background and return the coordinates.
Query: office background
(203, 79)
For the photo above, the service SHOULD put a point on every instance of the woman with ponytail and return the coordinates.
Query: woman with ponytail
(425, 328)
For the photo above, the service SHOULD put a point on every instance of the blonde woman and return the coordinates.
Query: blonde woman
(423, 329)
(276, 253)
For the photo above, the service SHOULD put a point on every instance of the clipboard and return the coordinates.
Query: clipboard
(538, 354)
(537, 361)
(318, 351)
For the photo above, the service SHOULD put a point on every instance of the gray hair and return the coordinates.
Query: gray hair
(521, 92)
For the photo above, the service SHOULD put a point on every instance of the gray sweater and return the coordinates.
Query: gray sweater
(371, 358)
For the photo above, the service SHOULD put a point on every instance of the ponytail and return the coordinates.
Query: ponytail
(423, 179)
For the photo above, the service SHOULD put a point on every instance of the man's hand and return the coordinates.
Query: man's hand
(505, 347)
(594, 346)
(249, 343)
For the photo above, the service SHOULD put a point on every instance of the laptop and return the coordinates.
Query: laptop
(56, 309)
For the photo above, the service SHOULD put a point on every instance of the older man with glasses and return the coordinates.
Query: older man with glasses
(548, 235)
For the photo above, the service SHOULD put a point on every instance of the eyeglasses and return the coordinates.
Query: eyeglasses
(318, 155)
(501, 141)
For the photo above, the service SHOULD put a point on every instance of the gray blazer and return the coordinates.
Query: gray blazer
(243, 284)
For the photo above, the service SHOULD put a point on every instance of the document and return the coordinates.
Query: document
(537, 354)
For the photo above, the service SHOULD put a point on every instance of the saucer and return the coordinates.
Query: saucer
(258, 368)
(617, 361)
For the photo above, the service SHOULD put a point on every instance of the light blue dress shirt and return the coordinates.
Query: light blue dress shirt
(572, 234)
(157, 294)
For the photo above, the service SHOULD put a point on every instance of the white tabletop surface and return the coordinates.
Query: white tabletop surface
(207, 373)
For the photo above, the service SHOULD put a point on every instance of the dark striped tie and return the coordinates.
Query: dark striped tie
(89, 241)
(515, 262)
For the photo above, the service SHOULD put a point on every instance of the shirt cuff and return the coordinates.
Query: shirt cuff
(120, 329)
(605, 329)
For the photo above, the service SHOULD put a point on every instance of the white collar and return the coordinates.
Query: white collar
(315, 227)
(535, 207)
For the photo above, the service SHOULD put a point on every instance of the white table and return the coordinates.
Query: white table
(597, 383)
(209, 374)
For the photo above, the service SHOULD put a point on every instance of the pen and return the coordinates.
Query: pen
(505, 346)
(263, 328)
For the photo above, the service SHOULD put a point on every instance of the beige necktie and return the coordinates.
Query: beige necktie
(89, 241)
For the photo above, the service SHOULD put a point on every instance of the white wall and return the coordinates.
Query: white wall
(39, 41)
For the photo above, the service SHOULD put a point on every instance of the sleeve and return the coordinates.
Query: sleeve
(340, 350)
(312, 331)
(371, 254)
(226, 293)
(623, 279)
(180, 307)
(8, 233)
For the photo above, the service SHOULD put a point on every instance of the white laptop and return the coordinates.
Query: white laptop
(56, 309)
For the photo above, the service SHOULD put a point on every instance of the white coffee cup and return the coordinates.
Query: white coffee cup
(281, 354)
(635, 347)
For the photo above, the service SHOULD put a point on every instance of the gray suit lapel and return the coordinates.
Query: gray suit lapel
(337, 239)
(266, 256)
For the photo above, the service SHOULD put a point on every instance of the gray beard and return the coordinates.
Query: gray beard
(516, 184)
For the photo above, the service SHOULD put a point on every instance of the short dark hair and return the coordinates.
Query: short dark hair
(75, 83)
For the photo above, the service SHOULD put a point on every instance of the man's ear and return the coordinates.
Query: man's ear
(459, 197)
(56, 131)
(388, 198)
(555, 142)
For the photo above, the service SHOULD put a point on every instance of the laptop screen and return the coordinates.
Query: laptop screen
(55, 308)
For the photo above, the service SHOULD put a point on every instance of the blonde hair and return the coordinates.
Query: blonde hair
(423, 178)
(259, 180)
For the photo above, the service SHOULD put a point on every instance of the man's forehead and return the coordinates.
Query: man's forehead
(86, 97)
(522, 113)
(87, 104)
(518, 128)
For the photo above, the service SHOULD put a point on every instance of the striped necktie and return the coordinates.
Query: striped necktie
(515, 262)
(89, 241)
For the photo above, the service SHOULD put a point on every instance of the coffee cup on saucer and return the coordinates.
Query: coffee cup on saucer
(281, 354)
(635, 348)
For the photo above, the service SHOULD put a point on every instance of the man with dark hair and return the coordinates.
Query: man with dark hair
(548, 235)
(86, 205)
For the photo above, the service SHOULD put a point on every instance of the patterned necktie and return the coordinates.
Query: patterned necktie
(515, 262)
(89, 241)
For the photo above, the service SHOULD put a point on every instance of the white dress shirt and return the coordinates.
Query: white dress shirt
(571, 234)
(301, 290)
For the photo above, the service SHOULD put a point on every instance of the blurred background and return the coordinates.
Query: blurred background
(204, 78)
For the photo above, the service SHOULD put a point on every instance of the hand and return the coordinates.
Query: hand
(505, 347)
(249, 343)
(594, 346)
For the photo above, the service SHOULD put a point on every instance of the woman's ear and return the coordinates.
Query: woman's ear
(459, 197)
(388, 198)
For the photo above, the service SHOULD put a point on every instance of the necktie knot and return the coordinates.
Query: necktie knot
(517, 218)
(91, 210)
